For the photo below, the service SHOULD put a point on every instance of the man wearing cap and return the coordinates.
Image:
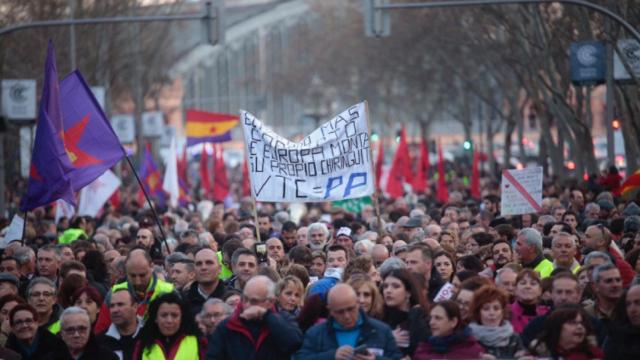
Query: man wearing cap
(412, 226)
(344, 239)
(8, 284)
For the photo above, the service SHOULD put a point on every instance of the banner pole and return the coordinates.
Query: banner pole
(153, 210)
(24, 227)
(376, 203)
(253, 194)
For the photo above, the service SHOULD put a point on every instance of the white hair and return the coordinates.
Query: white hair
(72, 310)
(532, 237)
(366, 243)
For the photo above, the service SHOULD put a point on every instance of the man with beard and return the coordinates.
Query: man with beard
(288, 235)
(317, 235)
(501, 253)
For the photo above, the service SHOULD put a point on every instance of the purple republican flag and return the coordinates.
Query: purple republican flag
(92, 145)
(50, 165)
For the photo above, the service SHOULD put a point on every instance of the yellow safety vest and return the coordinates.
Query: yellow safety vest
(54, 328)
(187, 350)
(544, 268)
(159, 287)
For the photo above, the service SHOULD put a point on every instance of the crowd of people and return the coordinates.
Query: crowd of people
(419, 280)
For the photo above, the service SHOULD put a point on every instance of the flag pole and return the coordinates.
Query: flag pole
(24, 227)
(376, 203)
(153, 209)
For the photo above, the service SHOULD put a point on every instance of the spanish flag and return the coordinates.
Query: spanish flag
(212, 127)
(630, 187)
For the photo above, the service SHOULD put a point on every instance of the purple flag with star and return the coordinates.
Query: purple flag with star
(92, 145)
(48, 179)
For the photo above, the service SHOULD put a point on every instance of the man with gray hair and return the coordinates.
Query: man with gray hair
(563, 250)
(529, 250)
(76, 333)
(212, 313)
(317, 235)
(506, 280)
(598, 237)
(41, 294)
(253, 322)
(607, 286)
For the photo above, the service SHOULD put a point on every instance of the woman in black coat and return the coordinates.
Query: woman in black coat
(27, 339)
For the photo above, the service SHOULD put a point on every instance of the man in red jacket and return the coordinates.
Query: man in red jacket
(597, 237)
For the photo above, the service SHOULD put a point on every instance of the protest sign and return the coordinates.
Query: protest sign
(521, 191)
(331, 163)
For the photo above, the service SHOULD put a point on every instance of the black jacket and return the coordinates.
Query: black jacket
(277, 337)
(195, 300)
(414, 321)
(47, 343)
(93, 351)
(622, 343)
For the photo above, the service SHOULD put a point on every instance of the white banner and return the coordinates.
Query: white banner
(13, 231)
(521, 191)
(64, 209)
(94, 195)
(332, 163)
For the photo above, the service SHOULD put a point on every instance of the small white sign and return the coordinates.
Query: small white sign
(152, 124)
(630, 51)
(19, 99)
(125, 127)
(521, 191)
(100, 94)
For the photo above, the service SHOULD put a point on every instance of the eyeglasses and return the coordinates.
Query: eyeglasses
(80, 330)
(45, 294)
(27, 322)
(214, 315)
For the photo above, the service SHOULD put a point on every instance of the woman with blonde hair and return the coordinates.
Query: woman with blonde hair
(369, 297)
(289, 295)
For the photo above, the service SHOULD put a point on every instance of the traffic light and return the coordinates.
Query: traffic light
(467, 145)
(375, 136)
(615, 124)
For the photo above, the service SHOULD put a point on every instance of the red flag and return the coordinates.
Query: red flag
(114, 200)
(220, 180)
(400, 168)
(442, 192)
(379, 163)
(205, 181)
(475, 176)
(419, 183)
(182, 167)
(630, 186)
(246, 183)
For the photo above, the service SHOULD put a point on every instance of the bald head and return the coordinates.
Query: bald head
(138, 266)
(342, 303)
(340, 293)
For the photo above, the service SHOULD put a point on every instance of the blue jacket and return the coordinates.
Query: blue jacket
(320, 341)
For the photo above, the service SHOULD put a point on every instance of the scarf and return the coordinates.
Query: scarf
(491, 336)
(442, 344)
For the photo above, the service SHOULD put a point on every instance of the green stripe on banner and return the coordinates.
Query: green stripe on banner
(353, 205)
